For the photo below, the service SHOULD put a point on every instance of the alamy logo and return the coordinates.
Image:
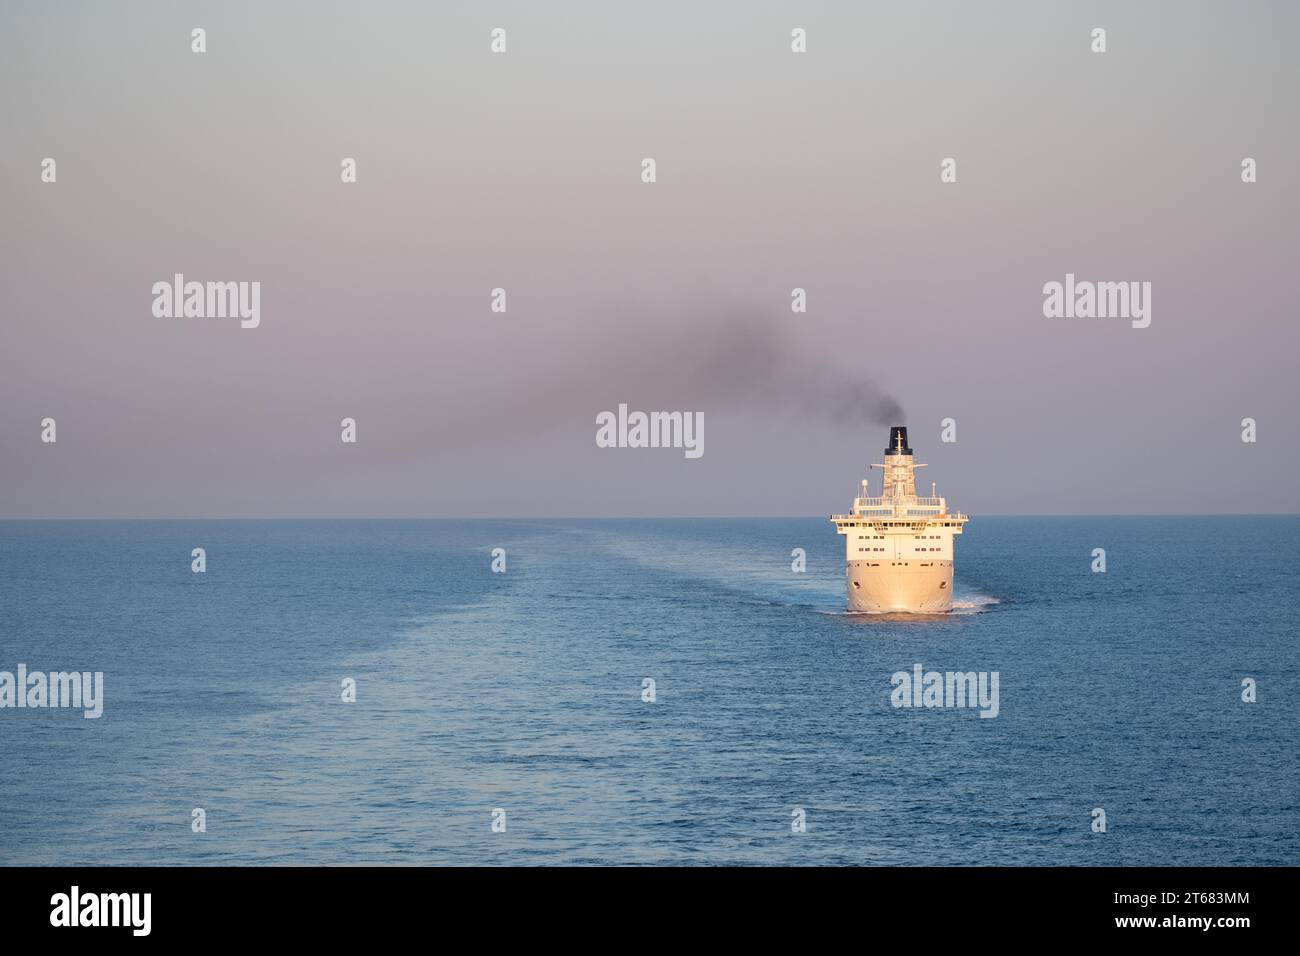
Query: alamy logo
(651, 430)
(208, 300)
(922, 688)
(1099, 300)
(102, 909)
(55, 689)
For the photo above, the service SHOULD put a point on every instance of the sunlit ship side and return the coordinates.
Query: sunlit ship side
(899, 547)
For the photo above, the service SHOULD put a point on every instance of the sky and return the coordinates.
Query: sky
(523, 171)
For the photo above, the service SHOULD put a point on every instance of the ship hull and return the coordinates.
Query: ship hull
(909, 588)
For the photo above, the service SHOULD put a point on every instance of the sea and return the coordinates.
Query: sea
(657, 691)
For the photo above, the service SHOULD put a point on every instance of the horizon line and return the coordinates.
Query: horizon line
(664, 517)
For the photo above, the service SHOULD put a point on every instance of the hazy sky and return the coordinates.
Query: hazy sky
(775, 170)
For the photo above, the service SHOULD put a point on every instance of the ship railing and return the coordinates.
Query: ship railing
(899, 502)
(887, 514)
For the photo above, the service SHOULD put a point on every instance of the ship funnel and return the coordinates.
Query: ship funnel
(898, 441)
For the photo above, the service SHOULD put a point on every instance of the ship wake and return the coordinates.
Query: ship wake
(963, 606)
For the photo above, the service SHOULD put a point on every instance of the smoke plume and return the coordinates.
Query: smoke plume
(734, 360)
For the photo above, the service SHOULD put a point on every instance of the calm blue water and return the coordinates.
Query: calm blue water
(523, 691)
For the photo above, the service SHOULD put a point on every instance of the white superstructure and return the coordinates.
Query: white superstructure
(899, 547)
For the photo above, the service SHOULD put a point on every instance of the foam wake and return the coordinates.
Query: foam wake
(972, 603)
